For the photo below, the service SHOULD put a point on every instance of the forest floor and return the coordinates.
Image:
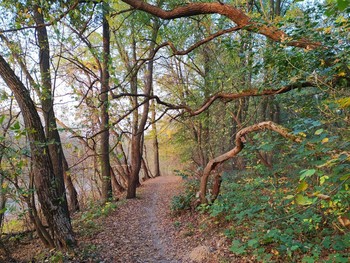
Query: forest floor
(142, 230)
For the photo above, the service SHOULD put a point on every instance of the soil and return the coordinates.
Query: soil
(144, 230)
(141, 229)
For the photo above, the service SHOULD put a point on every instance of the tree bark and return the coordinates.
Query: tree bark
(2, 194)
(104, 147)
(73, 203)
(155, 141)
(73, 198)
(52, 135)
(49, 190)
(145, 169)
(139, 126)
(136, 156)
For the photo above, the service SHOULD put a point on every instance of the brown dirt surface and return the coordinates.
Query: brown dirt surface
(141, 229)
(144, 230)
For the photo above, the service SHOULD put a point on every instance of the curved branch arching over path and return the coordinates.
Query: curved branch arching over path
(240, 140)
(236, 15)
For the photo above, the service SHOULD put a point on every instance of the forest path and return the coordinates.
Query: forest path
(141, 229)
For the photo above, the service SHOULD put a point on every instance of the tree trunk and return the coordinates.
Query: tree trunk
(155, 141)
(2, 194)
(104, 148)
(136, 156)
(216, 186)
(52, 135)
(116, 186)
(73, 202)
(49, 118)
(48, 187)
(34, 217)
(239, 141)
(139, 126)
(146, 174)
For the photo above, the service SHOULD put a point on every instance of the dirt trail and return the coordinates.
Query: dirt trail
(141, 230)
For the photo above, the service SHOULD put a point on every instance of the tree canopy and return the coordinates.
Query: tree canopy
(99, 96)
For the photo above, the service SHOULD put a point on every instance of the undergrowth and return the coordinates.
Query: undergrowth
(185, 200)
(266, 222)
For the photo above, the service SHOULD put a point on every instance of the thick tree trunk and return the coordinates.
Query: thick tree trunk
(42, 232)
(136, 156)
(44, 61)
(104, 147)
(48, 187)
(139, 126)
(205, 122)
(52, 135)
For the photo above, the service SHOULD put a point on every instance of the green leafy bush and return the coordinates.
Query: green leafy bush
(268, 223)
(185, 200)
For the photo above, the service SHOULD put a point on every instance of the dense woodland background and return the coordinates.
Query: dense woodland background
(248, 100)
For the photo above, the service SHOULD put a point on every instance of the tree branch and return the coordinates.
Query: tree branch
(234, 14)
(248, 93)
(225, 96)
(239, 141)
(72, 7)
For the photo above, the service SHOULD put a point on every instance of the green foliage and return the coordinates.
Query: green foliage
(181, 202)
(184, 201)
(86, 221)
(95, 211)
(269, 223)
(14, 225)
(56, 257)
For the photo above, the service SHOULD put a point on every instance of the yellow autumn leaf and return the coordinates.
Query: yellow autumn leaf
(302, 134)
(344, 102)
(327, 30)
(274, 251)
(302, 186)
(325, 140)
(342, 74)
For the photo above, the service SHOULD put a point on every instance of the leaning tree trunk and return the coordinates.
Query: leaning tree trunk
(240, 140)
(47, 102)
(49, 191)
(146, 172)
